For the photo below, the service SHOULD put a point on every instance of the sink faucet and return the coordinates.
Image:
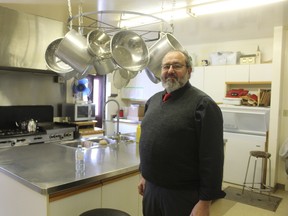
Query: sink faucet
(118, 109)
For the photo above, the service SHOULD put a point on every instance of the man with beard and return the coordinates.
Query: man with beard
(181, 145)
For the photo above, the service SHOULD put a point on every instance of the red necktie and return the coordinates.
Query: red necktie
(166, 97)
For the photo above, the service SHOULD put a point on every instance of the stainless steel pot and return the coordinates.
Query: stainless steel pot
(129, 51)
(151, 76)
(55, 64)
(98, 43)
(73, 51)
(99, 46)
(118, 81)
(158, 50)
(104, 65)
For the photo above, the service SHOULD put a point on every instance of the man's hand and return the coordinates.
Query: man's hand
(202, 208)
(141, 186)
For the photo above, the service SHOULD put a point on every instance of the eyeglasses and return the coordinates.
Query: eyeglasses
(176, 67)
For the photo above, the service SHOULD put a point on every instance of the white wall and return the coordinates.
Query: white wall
(246, 47)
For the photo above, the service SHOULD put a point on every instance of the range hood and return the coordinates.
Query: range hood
(24, 39)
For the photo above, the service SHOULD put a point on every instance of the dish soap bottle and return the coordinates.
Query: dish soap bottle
(79, 159)
(138, 133)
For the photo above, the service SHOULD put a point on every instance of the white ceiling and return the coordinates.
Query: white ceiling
(243, 24)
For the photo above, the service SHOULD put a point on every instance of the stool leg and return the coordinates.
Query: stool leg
(244, 184)
(269, 178)
(254, 172)
(262, 185)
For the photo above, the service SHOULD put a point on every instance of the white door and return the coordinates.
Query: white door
(237, 152)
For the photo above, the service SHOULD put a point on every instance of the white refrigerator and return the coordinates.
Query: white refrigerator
(245, 129)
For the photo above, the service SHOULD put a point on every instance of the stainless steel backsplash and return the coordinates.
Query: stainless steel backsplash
(27, 88)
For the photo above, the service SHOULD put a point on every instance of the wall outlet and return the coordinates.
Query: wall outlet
(59, 79)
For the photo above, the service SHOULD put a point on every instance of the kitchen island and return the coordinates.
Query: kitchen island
(41, 180)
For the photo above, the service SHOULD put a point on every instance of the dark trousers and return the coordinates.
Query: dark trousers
(159, 201)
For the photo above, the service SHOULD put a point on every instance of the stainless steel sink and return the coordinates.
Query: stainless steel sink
(96, 142)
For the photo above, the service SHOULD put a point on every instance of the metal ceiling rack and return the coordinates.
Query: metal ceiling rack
(109, 21)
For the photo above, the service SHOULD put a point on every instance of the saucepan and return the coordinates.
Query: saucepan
(158, 50)
(99, 46)
(129, 50)
(118, 81)
(151, 76)
(73, 51)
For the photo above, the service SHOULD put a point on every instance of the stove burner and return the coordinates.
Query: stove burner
(16, 132)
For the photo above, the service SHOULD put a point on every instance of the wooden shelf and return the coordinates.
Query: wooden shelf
(249, 83)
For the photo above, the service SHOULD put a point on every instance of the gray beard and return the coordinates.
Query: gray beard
(172, 84)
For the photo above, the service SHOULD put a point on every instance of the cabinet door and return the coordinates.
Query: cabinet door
(76, 204)
(237, 73)
(214, 82)
(261, 73)
(122, 194)
(197, 78)
(237, 151)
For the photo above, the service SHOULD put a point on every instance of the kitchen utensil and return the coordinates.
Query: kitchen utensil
(27, 125)
(99, 46)
(118, 81)
(128, 74)
(73, 51)
(129, 50)
(98, 43)
(55, 64)
(104, 66)
(158, 50)
(151, 76)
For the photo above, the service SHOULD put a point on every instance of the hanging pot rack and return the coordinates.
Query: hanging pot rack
(95, 20)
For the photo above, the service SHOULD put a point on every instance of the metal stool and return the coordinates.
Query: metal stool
(104, 212)
(263, 187)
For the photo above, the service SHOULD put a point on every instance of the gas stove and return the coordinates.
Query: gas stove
(13, 118)
(45, 133)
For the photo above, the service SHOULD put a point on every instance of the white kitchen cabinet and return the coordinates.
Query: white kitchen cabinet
(140, 88)
(214, 82)
(261, 72)
(122, 194)
(237, 73)
(197, 77)
(249, 73)
(76, 204)
(18, 199)
(237, 152)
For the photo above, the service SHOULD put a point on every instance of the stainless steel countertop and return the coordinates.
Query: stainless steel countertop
(49, 168)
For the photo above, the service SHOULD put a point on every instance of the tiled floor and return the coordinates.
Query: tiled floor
(225, 207)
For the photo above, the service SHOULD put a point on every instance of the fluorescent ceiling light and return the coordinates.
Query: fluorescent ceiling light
(226, 5)
(166, 16)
